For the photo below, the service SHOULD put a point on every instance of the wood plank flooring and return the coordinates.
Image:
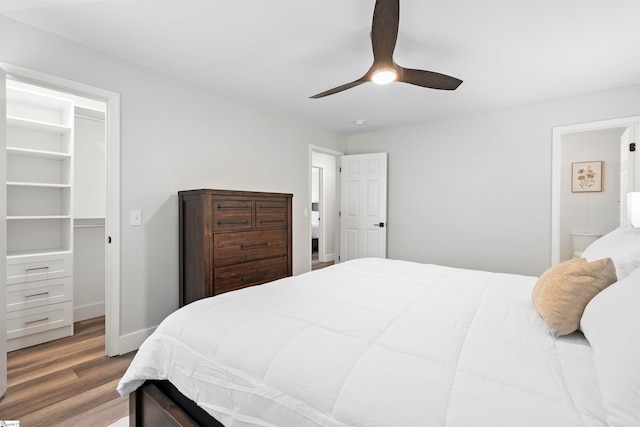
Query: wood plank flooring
(67, 382)
(317, 265)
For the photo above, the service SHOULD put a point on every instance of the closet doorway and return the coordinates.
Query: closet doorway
(94, 189)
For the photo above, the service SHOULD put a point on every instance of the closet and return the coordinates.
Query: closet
(52, 157)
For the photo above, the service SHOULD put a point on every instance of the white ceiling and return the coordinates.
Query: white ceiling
(277, 53)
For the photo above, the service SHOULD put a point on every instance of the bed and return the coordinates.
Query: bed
(315, 224)
(379, 342)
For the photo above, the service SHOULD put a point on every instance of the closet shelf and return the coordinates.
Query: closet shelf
(36, 184)
(37, 253)
(53, 155)
(36, 125)
(12, 217)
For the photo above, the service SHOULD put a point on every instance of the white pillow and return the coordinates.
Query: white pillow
(611, 323)
(622, 245)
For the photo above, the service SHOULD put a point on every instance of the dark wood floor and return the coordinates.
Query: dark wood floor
(67, 382)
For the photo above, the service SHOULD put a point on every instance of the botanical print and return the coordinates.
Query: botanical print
(586, 177)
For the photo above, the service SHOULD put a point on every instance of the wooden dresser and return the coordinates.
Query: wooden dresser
(232, 239)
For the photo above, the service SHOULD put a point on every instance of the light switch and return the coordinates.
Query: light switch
(135, 217)
(306, 212)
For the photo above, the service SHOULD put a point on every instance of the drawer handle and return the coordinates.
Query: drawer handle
(37, 295)
(221, 207)
(36, 321)
(253, 277)
(255, 245)
(36, 268)
(245, 222)
(270, 221)
(280, 208)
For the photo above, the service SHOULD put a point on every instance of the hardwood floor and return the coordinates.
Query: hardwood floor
(67, 382)
(316, 265)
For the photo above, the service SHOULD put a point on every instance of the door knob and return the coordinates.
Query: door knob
(380, 224)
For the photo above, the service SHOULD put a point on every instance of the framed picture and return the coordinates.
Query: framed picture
(586, 177)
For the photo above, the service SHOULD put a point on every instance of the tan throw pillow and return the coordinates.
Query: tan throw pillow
(563, 291)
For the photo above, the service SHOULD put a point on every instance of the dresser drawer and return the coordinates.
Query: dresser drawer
(41, 267)
(232, 214)
(35, 294)
(252, 273)
(39, 319)
(232, 248)
(271, 214)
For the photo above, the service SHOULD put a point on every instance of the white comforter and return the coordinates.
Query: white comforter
(375, 342)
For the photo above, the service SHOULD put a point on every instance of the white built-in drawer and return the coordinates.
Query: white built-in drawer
(39, 319)
(31, 268)
(35, 294)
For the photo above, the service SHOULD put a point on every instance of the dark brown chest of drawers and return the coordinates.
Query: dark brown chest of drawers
(232, 239)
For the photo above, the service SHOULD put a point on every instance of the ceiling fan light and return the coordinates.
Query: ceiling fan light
(382, 77)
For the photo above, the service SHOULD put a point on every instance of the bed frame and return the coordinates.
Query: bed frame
(160, 404)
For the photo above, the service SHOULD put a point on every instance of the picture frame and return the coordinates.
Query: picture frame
(586, 177)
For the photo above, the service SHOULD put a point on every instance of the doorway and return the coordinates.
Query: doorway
(108, 224)
(323, 206)
(579, 216)
(316, 226)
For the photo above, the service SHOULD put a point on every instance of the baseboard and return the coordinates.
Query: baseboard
(134, 340)
(39, 338)
(328, 257)
(88, 311)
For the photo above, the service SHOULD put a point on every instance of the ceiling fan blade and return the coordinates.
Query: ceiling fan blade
(339, 88)
(429, 79)
(384, 30)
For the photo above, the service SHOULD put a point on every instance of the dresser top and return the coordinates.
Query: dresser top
(232, 193)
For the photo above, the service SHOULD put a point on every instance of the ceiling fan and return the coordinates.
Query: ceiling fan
(384, 33)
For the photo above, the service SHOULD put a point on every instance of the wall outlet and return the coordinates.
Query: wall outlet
(135, 217)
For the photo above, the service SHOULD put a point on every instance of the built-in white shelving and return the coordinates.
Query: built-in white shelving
(40, 130)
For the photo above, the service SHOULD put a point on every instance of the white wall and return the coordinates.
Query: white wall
(89, 207)
(89, 186)
(475, 192)
(315, 185)
(591, 212)
(88, 270)
(175, 136)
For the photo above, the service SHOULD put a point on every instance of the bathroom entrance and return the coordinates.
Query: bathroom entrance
(593, 169)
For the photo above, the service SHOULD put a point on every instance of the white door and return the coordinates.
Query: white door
(363, 206)
(3, 233)
(628, 178)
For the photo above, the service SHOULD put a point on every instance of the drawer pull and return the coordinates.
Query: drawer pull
(37, 295)
(36, 268)
(271, 221)
(280, 208)
(245, 222)
(253, 277)
(36, 321)
(235, 208)
(254, 245)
